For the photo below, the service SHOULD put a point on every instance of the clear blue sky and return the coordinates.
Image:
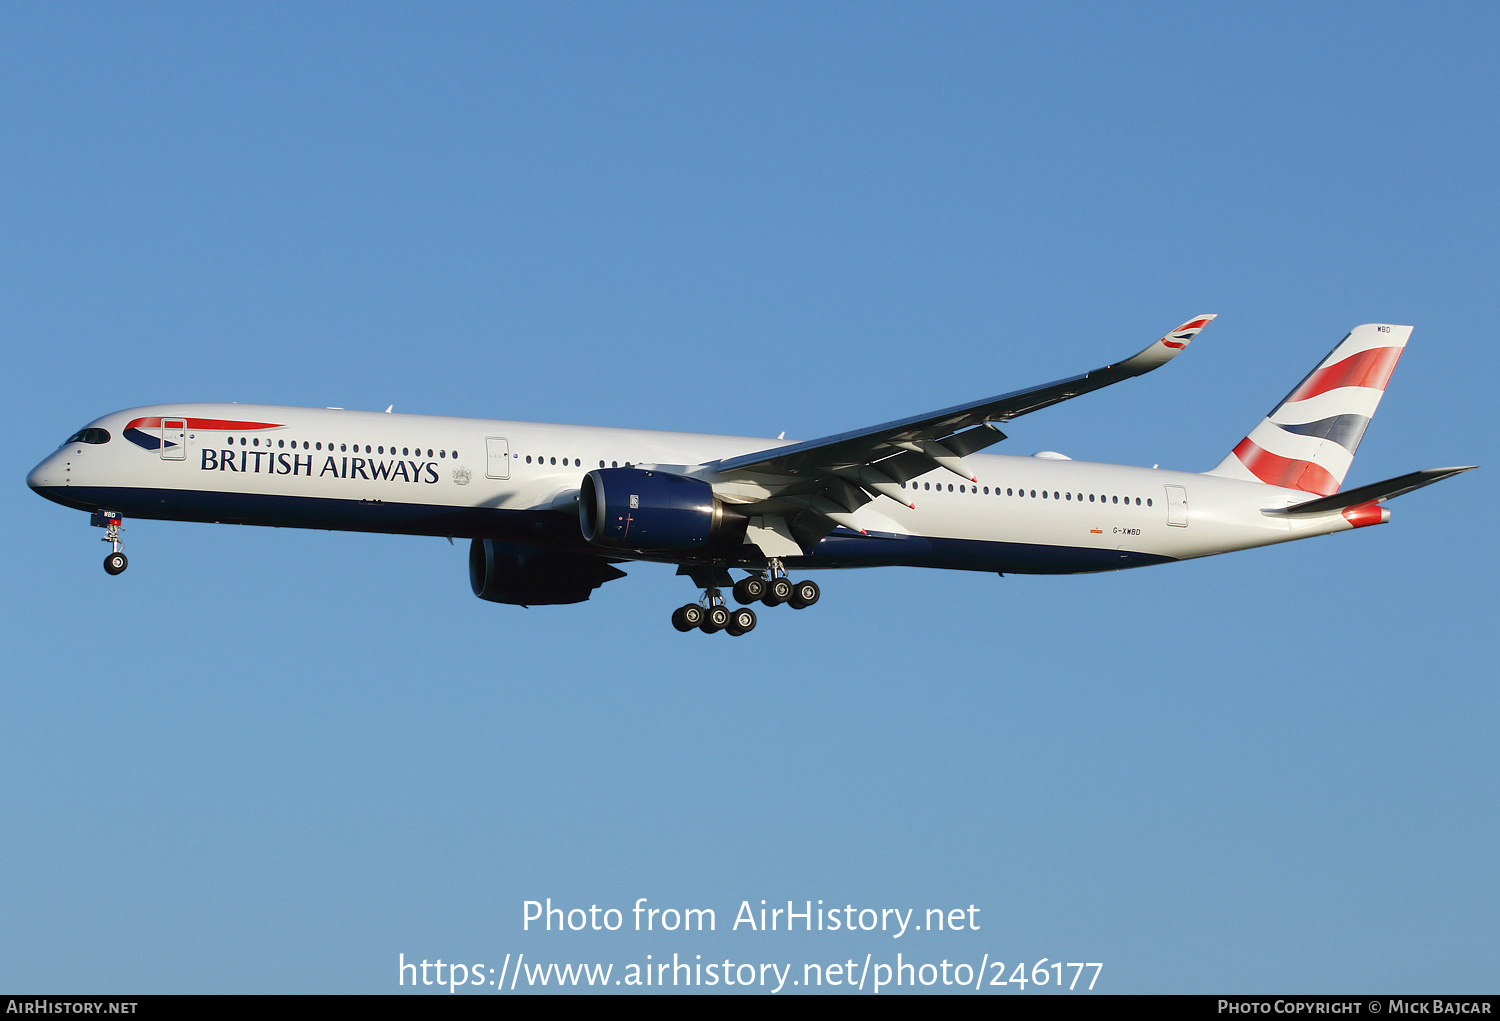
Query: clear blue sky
(271, 760)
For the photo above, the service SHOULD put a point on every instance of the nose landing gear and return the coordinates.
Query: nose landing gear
(111, 522)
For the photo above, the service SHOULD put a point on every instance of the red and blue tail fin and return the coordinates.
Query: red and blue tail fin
(1308, 441)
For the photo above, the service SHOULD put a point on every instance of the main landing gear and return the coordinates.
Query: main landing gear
(776, 591)
(111, 521)
(711, 613)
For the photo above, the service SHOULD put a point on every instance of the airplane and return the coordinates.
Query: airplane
(551, 509)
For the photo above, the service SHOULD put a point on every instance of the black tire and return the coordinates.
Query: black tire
(680, 618)
(777, 592)
(750, 590)
(115, 563)
(741, 621)
(716, 618)
(804, 594)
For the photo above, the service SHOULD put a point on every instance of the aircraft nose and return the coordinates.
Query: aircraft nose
(44, 476)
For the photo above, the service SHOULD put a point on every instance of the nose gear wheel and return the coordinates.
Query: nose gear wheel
(111, 522)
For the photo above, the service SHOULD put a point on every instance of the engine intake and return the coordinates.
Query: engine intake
(638, 509)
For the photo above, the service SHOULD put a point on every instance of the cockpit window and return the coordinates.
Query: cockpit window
(90, 436)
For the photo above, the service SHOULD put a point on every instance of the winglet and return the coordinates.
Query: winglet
(1169, 347)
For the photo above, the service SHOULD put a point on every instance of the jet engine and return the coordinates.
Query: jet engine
(508, 572)
(639, 509)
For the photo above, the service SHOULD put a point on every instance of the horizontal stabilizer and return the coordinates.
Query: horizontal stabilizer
(1375, 492)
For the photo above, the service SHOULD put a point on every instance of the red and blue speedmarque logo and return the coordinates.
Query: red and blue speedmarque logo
(136, 430)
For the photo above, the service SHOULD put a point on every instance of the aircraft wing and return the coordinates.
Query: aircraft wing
(864, 446)
(815, 485)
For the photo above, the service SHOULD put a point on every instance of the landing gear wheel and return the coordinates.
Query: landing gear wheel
(115, 563)
(741, 621)
(750, 590)
(777, 592)
(685, 618)
(804, 594)
(715, 618)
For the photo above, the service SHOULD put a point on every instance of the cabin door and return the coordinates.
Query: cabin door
(174, 439)
(1177, 506)
(497, 457)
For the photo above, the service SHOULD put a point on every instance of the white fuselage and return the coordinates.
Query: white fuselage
(365, 471)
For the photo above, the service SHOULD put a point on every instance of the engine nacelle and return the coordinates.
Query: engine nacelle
(508, 572)
(637, 509)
